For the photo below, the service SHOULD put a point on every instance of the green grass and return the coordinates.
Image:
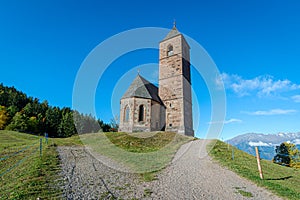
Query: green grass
(70, 141)
(30, 176)
(149, 176)
(141, 142)
(143, 153)
(283, 181)
(11, 141)
(243, 192)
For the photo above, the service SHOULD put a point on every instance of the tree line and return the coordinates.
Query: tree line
(21, 113)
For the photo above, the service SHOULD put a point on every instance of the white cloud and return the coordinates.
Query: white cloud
(296, 98)
(261, 85)
(227, 121)
(296, 141)
(259, 144)
(232, 121)
(271, 112)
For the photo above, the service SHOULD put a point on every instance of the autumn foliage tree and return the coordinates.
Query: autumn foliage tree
(3, 117)
(287, 154)
(294, 154)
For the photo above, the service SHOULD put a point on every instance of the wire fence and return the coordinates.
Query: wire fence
(16, 152)
(19, 156)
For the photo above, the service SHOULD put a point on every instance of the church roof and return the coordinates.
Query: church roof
(140, 87)
(174, 32)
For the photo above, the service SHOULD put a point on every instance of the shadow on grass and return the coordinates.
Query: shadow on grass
(279, 179)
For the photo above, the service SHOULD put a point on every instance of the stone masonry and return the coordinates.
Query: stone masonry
(169, 107)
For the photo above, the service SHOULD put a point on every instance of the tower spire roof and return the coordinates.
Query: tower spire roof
(174, 32)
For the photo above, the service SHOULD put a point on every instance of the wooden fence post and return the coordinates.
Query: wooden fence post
(258, 163)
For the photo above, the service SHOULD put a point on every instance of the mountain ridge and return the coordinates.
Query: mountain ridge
(266, 142)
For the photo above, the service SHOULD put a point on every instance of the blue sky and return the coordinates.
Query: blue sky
(255, 45)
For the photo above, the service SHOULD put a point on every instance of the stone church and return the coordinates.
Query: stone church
(146, 107)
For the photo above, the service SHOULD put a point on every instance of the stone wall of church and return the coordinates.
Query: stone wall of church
(180, 46)
(188, 115)
(157, 116)
(162, 117)
(178, 62)
(174, 85)
(153, 115)
(126, 124)
(174, 90)
(145, 124)
(188, 119)
(170, 88)
(170, 67)
(132, 124)
(174, 117)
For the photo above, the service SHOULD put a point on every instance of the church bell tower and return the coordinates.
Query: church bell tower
(175, 82)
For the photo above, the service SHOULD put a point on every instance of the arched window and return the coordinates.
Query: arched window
(170, 50)
(126, 114)
(141, 113)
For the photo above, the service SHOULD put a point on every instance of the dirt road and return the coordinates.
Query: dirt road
(191, 175)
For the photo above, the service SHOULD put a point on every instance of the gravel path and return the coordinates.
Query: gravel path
(191, 175)
(84, 177)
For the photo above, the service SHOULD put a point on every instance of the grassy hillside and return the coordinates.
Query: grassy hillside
(283, 181)
(23, 173)
(26, 175)
(141, 152)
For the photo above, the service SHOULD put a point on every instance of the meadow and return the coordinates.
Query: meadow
(281, 180)
(143, 153)
(24, 172)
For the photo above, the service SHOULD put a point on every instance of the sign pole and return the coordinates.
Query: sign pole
(41, 143)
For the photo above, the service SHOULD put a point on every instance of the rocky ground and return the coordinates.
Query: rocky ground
(191, 175)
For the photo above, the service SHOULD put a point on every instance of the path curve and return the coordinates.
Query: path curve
(194, 175)
(191, 175)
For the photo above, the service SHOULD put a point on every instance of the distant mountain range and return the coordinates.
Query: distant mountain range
(266, 143)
